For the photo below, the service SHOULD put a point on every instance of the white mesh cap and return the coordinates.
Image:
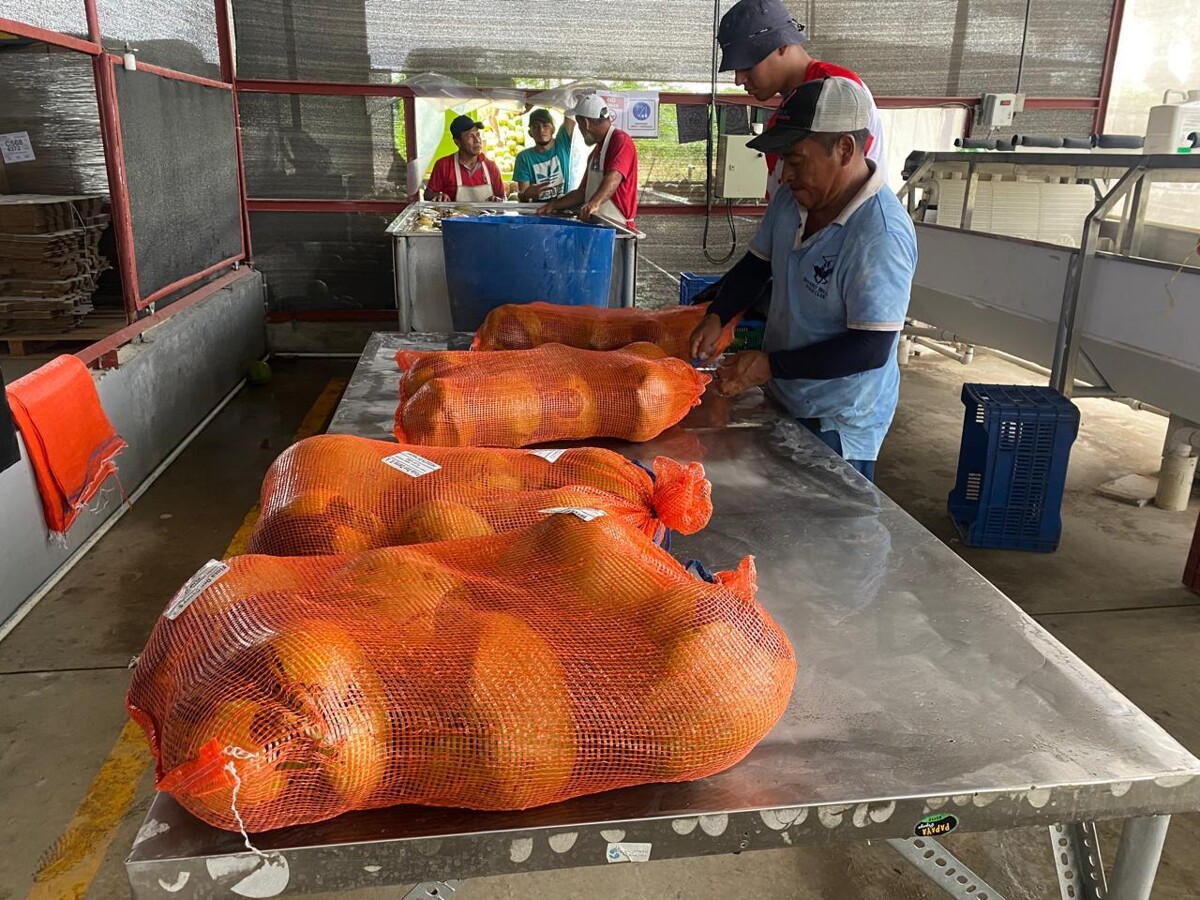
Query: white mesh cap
(824, 106)
(590, 106)
(841, 106)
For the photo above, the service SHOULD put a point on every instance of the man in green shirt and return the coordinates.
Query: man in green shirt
(543, 171)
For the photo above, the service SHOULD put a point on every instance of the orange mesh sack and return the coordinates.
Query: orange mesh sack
(342, 494)
(513, 398)
(493, 673)
(523, 326)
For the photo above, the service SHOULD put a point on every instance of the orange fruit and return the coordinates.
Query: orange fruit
(717, 696)
(398, 585)
(438, 520)
(570, 406)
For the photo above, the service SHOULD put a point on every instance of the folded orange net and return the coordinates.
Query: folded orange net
(514, 398)
(342, 494)
(493, 673)
(523, 326)
(70, 441)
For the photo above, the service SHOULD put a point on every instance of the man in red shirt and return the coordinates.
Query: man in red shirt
(610, 188)
(764, 47)
(466, 176)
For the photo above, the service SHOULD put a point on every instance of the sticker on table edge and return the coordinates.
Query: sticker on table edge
(936, 825)
(628, 852)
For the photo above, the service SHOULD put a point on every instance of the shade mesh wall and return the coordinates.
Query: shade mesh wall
(323, 147)
(325, 261)
(181, 166)
(176, 34)
(901, 47)
(673, 244)
(66, 16)
(53, 97)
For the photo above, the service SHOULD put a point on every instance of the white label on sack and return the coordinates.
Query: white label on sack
(582, 511)
(625, 852)
(16, 147)
(410, 464)
(548, 455)
(196, 585)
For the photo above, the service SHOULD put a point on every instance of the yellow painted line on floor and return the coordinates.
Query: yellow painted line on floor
(318, 416)
(74, 859)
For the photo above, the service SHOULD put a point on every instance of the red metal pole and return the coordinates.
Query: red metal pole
(114, 164)
(173, 74)
(1110, 58)
(190, 279)
(229, 74)
(22, 29)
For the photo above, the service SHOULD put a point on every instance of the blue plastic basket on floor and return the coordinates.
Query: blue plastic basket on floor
(1012, 466)
(690, 284)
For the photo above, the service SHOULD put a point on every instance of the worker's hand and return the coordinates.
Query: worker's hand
(588, 210)
(547, 209)
(495, 199)
(705, 338)
(440, 198)
(739, 373)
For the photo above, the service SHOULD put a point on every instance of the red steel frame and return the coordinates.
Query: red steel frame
(103, 65)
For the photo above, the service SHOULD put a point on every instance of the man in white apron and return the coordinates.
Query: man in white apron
(466, 176)
(609, 190)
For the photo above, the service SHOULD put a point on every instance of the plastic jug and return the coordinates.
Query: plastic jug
(1170, 124)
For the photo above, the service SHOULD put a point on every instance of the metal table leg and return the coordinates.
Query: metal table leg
(1137, 857)
(944, 869)
(434, 890)
(1077, 861)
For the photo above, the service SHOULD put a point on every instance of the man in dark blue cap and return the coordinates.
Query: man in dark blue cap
(839, 251)
(764, 47)
(465, 176)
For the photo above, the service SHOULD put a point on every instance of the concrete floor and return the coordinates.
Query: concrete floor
(1111, 593)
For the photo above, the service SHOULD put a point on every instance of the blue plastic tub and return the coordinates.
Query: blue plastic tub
(749, 332)
(1012, 466)
(691, 283)
(495, 260)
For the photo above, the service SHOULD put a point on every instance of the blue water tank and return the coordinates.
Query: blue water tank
(493, 260)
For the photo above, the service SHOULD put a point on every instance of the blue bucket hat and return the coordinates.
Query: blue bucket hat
(752, 30)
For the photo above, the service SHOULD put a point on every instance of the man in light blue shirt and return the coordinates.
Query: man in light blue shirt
(841, 252)
(543, 171)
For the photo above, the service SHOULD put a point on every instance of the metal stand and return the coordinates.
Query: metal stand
(944, 869)
(434, 890)
(1137, 857)
(1077, 861)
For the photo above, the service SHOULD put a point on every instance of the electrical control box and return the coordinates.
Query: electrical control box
(996, 110)
(741, 172)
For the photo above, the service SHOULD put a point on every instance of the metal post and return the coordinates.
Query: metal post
(1136, 227)
(1137, 857)
(944, 869)
(1066, 346)
(629, 256)
(1077, 861)
(225, 50)
(1110, 58)
(968, 207)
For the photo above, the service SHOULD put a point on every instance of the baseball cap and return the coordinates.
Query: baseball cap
(462, 125)
(752, 30)
(823, 106)
(590, 106)
(541, 115)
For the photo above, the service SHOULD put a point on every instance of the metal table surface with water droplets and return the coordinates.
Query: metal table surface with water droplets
(923, 693)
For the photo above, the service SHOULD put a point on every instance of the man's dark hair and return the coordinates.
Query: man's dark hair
(828, 140)
(595, 121)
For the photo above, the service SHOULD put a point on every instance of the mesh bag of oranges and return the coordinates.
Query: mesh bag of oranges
(513, 398)
(503, 672)
(335, 494)
(523, 326)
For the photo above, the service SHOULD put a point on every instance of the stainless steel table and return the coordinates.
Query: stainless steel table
(926, 701)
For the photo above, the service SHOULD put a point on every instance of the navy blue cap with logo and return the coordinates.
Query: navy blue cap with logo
(754, 29)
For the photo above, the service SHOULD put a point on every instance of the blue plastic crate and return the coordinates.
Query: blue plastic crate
(1012, 466)
(749, 332)
(690, 284)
